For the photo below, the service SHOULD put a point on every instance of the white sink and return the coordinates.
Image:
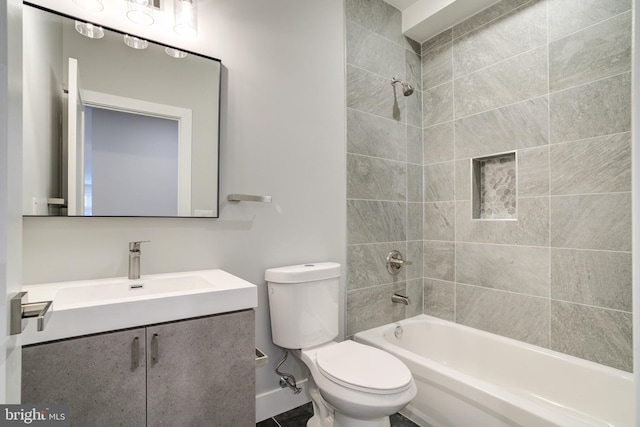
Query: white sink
(92, 306)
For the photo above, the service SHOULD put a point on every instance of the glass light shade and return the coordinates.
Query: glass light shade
(140, 11)
(135, 42)
(92, 5)
(185, 15)
(89, 30)
(175, 53)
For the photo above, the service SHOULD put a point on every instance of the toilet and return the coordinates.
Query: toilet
(351, 384)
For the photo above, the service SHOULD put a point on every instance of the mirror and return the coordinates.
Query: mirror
(110, 130)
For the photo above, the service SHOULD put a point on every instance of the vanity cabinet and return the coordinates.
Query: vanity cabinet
(197, 372)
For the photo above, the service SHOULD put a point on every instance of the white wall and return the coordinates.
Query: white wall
(282, 134)
(10, 190)
(42, 100)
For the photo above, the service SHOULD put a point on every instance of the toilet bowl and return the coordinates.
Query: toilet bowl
(363, 385)
(351, 384)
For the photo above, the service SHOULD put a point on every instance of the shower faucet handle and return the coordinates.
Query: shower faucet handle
(395, 262)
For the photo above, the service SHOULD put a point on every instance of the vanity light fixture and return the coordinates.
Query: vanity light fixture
(175, 53)
(89, 30)
(135, 42)
(92, 5)
(185, 15)
(140, 11)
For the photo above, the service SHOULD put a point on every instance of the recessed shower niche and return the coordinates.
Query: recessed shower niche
(494, 186)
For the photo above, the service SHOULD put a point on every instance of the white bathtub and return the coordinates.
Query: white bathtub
(471, 378)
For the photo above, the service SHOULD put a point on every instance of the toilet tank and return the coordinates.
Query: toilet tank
(303, 303)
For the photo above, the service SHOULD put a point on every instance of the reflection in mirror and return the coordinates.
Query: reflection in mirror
(110, 130)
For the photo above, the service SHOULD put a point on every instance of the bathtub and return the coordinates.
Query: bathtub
(467, 377)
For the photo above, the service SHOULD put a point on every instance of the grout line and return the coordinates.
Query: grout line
(591, 138)
(549, 171)
(539, 296)
(549, 40)
(389, 40)
(589, 82)
(381, 158)
(488, 22)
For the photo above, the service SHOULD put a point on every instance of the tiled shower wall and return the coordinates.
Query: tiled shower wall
(384, 165)
(549, 79)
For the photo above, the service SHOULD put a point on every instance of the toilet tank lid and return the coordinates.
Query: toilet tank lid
(303, 272)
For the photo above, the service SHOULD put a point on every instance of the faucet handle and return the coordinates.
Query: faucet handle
(395, 262)
(135, 246)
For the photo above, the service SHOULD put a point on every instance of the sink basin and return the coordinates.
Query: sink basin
(92, 306)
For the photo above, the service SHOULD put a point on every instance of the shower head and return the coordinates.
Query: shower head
(407, 89)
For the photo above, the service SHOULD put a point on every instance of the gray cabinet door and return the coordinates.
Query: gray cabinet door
(95, 375)
(204, 374)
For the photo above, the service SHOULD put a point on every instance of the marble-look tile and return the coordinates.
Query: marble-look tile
(413, 105)
(375, 136)
(600, 221)
(598, 165)
(463, 179)
(594, 53)
(414, 183)
(413, 69)
(371, 307)
(533, 172)
(521, 77)
(597, 278)
(415, 251)
(439, 299)
(365, 49)
(510, 35)
(439, 260)
(521, 269)
(521, 317)
(437, 40)
(596, 334)
(370, 221)
(568, 16)
(439, 182)
(485, 16)
(517, 126)
(414, 145)
(595, 109)
(381, 18)
(415, 291)
(373, 178)
(367, 265)
(531, 228)
(374, 94)
(414, 221)
(440, 221)
(437, 66)
(497, 187)
(437, 104)
(438, 143)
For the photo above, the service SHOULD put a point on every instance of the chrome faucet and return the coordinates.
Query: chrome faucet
(134, 259)
(400, 299)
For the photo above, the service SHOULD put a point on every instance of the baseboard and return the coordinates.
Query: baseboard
(281, 400)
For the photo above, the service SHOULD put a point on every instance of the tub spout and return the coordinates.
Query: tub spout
(400, 299)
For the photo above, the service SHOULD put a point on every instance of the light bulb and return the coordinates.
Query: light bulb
(89, 30)
(92, 5)
(185, 15)
(140, 11)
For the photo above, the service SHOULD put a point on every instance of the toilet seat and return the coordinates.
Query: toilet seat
(363, 368)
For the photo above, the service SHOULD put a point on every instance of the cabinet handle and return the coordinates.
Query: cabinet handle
(154, 348)
(135, 353)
